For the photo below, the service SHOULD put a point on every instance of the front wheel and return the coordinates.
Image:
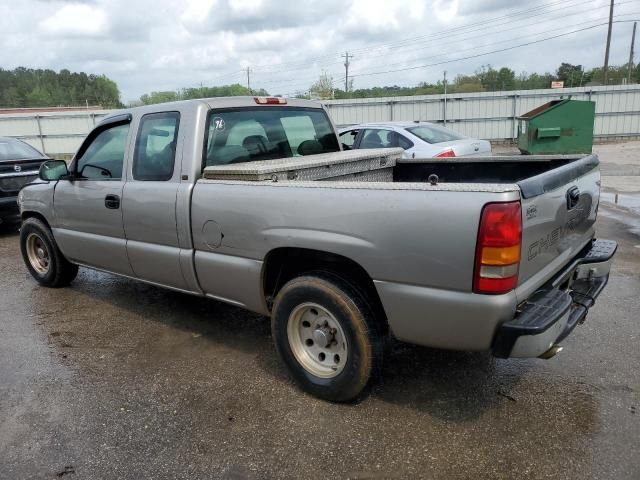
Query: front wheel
(43, 258)
(327, 335)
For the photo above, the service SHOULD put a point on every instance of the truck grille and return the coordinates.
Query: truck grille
(14, 184)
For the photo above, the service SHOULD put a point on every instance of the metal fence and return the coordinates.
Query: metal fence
(488, 115)
(57, 134)
(493, 115)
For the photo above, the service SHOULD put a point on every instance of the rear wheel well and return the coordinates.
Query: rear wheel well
(287, 263)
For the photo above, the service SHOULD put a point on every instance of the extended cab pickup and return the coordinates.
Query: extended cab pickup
(229, 198)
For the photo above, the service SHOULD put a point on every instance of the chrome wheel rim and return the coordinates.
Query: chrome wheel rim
(317, 340)
(38, 254)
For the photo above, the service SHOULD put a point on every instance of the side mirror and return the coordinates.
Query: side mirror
(52, 170)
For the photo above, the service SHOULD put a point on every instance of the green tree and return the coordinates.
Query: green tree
(505, 79)
(25, 87)
(323, 87)
(488, 77)
(571, 75)
(159, 97)
(200, 92)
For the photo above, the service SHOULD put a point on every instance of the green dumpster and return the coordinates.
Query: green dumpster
(559, 126)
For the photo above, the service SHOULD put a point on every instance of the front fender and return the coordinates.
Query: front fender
(37, 198)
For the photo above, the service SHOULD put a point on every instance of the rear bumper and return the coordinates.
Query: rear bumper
(552, 312)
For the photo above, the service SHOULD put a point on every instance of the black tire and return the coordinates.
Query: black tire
(59, 272)
(363, 333)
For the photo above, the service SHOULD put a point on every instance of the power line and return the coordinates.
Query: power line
(364, 73)
(438, 34)
(480, 54)
(512, 39)
(515, 27)
(466, 37)
(481, 25)
(461, 31)
(448, 39)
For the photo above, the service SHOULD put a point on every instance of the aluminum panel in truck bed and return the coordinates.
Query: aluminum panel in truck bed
(325, 166)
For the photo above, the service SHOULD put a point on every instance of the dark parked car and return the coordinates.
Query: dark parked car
(19, 165)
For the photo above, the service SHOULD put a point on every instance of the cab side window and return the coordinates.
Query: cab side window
(104, 157)
(154, 155)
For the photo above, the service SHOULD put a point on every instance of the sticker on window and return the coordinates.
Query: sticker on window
(218, 123)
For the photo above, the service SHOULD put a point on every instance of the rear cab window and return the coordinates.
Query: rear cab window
(252, 134)
(155, 151)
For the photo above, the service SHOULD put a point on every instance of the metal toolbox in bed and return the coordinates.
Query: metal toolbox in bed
(352, 165)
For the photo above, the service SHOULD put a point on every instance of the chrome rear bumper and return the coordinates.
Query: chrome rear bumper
(551, 313)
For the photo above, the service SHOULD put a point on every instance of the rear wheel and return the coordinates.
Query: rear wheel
(327, 335)
(43, 258)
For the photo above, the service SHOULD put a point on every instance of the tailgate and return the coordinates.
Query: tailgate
(558, 214)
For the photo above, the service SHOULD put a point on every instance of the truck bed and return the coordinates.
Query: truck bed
(489, 169)
(387, 166)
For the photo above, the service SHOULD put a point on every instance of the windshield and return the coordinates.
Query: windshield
(11, 149)
(265, 133)
(434, 134)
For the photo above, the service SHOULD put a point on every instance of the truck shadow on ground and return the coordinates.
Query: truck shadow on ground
(458, 386)
(452, 385)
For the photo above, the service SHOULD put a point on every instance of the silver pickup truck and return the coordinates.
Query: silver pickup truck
(233, 199)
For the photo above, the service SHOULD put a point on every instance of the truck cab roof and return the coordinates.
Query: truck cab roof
(217, 102)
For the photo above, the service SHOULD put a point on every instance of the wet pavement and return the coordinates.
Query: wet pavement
(110, 378)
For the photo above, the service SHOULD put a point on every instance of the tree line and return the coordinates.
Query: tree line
(27, 87)
(485, 79)
(199, 92)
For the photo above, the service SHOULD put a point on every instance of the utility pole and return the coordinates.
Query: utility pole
(605, 70)
(249, 79)
(633, 41)
(346, 57)
(444, 114)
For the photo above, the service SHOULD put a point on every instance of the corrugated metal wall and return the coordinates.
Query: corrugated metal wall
(492, 115)
(56, 134)
(489, 115)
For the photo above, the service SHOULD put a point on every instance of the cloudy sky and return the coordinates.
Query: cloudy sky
(147, 45)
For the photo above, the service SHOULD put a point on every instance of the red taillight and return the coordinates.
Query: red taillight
(498, 248)
(446, 153)
(270, 100)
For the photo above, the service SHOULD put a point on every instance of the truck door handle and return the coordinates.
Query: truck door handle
(112, 202)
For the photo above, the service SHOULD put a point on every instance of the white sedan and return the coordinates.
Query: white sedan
(418, 139)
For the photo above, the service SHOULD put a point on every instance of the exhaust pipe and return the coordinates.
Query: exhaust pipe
(552, 352)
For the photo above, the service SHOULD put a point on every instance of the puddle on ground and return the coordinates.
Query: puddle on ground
(624, 200)
(631, 220)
